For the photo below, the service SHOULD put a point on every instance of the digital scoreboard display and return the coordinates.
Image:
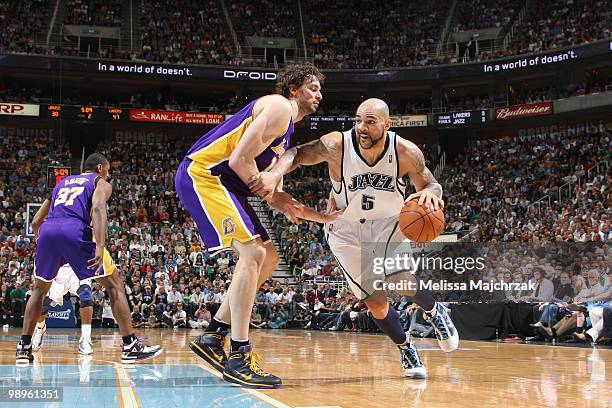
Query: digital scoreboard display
(85, 113)
(331, 123)
(475, 117)
(55, 174)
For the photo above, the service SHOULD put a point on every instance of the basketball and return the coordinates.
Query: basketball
(420, 224)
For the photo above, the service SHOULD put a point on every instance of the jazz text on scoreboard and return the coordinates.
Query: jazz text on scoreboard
(85, 113)
(474, 117)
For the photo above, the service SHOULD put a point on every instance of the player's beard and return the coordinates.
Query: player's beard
(307, 107)
(373, 142)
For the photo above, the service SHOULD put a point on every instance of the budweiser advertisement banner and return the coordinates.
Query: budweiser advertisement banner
(524, 111)
(191, 118)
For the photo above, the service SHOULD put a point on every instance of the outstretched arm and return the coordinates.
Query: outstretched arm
(294, 210)
(324, 149)
(310, 153)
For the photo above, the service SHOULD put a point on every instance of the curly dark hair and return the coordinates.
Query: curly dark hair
(296, 75)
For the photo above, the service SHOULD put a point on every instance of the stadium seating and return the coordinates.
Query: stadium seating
(93, 12)
(185, 31)
(370, 35)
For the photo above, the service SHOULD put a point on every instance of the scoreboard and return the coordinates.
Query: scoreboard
(55, 174)
(475, 117)
(84, 113)
(331, 123)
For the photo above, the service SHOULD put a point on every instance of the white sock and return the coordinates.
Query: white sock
(86, 330)
(41, 325)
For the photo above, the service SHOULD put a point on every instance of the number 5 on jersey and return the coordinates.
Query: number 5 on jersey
(367, 202)
(67, 195)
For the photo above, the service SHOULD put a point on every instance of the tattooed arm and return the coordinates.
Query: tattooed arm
(326, 149)
(412, 164)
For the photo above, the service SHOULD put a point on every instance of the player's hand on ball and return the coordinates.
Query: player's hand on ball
(285, 203)
(427, 199)
(264, 183)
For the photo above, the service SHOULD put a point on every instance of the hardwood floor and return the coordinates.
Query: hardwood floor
(318, 369)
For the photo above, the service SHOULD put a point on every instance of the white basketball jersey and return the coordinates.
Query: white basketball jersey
(369, 192)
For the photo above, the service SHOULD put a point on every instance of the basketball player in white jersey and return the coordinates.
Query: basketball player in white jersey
(367, 165)
(65, 282)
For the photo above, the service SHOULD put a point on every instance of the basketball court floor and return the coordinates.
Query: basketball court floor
(319, 369)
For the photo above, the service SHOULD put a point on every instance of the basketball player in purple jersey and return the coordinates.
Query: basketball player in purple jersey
(212, 183)
(78, 203)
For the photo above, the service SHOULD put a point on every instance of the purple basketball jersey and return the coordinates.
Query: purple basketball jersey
(71, 198)
(66, 235)
(212, 151)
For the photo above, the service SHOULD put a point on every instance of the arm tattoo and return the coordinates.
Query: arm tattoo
(315, 152)
(309, 152)
(295, 157)
(422, 170)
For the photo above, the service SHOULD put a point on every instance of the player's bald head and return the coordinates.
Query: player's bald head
(372, 122)
(374, 106)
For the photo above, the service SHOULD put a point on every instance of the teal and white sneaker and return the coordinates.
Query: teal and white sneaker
(446, 333)
(412, 363)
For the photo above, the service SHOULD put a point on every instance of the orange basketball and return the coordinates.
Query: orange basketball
(420, 224)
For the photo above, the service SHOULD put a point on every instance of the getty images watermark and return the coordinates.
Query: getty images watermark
(467, 273)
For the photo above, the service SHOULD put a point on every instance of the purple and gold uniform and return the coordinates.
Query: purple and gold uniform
(213, 193)
(66, 236)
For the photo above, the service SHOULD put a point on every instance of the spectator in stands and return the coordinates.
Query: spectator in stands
(593, 288)
(551, 311)
(196, 300)
(201, 317)
(256, 319)
(18, 297)
(108, 320)
(179, 318)
(165, 28)
(325, 314)
(161, 298)
(168, 316)
(584, 302)
(5, 305)
(596, 314)
(150, 315)
(175, 298)
(279, 318)
(285, 298)
(148, 298)
(544, 290)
